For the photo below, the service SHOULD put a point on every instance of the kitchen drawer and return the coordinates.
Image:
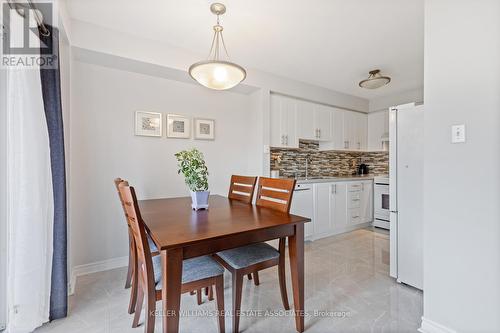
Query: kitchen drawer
(355, 216)
(354, 187)
(354, 199)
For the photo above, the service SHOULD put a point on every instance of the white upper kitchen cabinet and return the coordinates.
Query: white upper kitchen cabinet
(283, 122)
(355, 130)
(323, 122)
(314, 121)
(378, 129)
(362, 131)
(306, 127)
(338, 129)
(337, 137)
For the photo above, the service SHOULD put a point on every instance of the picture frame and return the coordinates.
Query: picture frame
(178, 126)
(148, 123)
(204, 129)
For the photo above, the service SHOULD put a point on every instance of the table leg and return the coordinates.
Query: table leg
(296, 252)
(171, 286)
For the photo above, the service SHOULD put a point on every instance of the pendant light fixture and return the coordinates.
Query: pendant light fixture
(375, 80)
(217, 72)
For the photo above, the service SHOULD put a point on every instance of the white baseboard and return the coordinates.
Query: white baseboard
(95, 267)
(338, 231)
(429, 326)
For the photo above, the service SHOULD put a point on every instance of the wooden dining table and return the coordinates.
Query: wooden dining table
(182, 233)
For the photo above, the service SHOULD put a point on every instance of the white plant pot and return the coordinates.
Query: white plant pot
(199, 199)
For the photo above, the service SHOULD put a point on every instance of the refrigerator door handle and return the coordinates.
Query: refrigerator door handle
(393, 211)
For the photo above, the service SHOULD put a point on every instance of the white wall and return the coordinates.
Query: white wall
(385, 102)
(156, 53)
(461, 181)
(103, 147)
(3, 197)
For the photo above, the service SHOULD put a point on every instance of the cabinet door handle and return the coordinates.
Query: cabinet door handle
(346, 144)
(334, 188)
(286, 140)
(319, 132)
(282, 139)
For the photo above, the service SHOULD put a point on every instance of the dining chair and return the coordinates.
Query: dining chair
(274, 194)
(242, 188)
(131, 280)
(197, 273)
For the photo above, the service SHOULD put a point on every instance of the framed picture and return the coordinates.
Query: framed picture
(148, 123)
(204, 129)
(178, 126)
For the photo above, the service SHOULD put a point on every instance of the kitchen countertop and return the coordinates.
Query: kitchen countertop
(314, 180)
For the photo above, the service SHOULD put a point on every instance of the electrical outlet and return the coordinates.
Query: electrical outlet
(458, 133)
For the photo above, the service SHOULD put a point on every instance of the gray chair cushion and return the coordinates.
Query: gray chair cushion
(248, 255)
(193, 269)
(152, 245)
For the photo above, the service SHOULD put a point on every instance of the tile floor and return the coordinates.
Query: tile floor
(345, 274)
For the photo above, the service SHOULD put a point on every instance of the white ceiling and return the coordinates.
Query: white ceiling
(329, 43)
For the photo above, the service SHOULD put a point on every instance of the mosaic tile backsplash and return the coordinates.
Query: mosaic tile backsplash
(325, 163)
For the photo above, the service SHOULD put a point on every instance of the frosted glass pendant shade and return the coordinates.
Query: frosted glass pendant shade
(217, 74)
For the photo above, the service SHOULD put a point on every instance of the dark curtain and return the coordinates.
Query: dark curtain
(51, 92)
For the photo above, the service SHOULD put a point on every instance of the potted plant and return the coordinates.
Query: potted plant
(192, 165)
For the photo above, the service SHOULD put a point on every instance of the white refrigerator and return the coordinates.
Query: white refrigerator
(406, 156)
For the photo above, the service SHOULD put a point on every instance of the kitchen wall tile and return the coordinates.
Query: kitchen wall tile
(292, 162)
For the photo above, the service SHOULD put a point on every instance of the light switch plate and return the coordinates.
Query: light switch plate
(458, 133)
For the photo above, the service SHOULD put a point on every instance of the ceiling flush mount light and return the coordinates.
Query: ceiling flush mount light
(217, 73)
(375, 80)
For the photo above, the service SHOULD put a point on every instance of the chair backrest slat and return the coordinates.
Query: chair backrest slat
(145, 262)
(275, 193)
(242, 188)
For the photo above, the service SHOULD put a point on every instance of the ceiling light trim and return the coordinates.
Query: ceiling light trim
(375, 80)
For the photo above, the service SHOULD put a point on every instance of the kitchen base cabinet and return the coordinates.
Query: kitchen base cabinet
(322, 209)
(366, 202)
(338, 207)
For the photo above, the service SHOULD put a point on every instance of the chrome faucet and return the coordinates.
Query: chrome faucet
(308, 159)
